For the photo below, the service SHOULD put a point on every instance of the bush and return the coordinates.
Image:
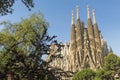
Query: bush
(84, 74)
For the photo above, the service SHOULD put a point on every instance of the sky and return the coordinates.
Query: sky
(58, 14)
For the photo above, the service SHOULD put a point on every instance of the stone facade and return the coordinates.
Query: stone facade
(86, 48)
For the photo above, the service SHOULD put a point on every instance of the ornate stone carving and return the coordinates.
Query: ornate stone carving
(86, 48)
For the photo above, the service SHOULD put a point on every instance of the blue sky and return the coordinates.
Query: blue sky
(58, 14)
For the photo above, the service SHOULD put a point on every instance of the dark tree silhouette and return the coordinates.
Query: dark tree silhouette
(6, 6)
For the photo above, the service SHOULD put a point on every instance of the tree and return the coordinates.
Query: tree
(109, 75)
(111, 66)
(99, 74)
(111, 62)
(85, 74)
(22, 45)
(6, 5)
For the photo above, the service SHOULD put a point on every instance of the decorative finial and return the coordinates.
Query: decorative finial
(77, 8)
(88, 11)
(94, 17)
(72, 22)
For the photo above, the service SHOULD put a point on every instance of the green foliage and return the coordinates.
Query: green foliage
(109, 75)
(6, 5)
(85, 74)
(99, 74)
(22, 45)
(111, 66)
(111, 62)
(97, 78)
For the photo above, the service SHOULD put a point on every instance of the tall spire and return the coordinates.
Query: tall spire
(88, 11)
(72, 22)
(73, 43)
(77, 8)
(94, 17)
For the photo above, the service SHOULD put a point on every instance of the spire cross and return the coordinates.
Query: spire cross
(88, 10)
(72, 22)
(78, 16)
(94, 17)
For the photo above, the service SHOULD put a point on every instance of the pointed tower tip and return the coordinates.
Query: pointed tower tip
(77, 8)
(87, 6)
(88, 11)
(94, 17)
(72, 22)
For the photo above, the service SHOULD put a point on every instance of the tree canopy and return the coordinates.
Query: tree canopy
(85, 74)
(111, 62)
(22, 45)
(6, 6)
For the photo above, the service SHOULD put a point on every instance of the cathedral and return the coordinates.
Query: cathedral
(86, 48)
